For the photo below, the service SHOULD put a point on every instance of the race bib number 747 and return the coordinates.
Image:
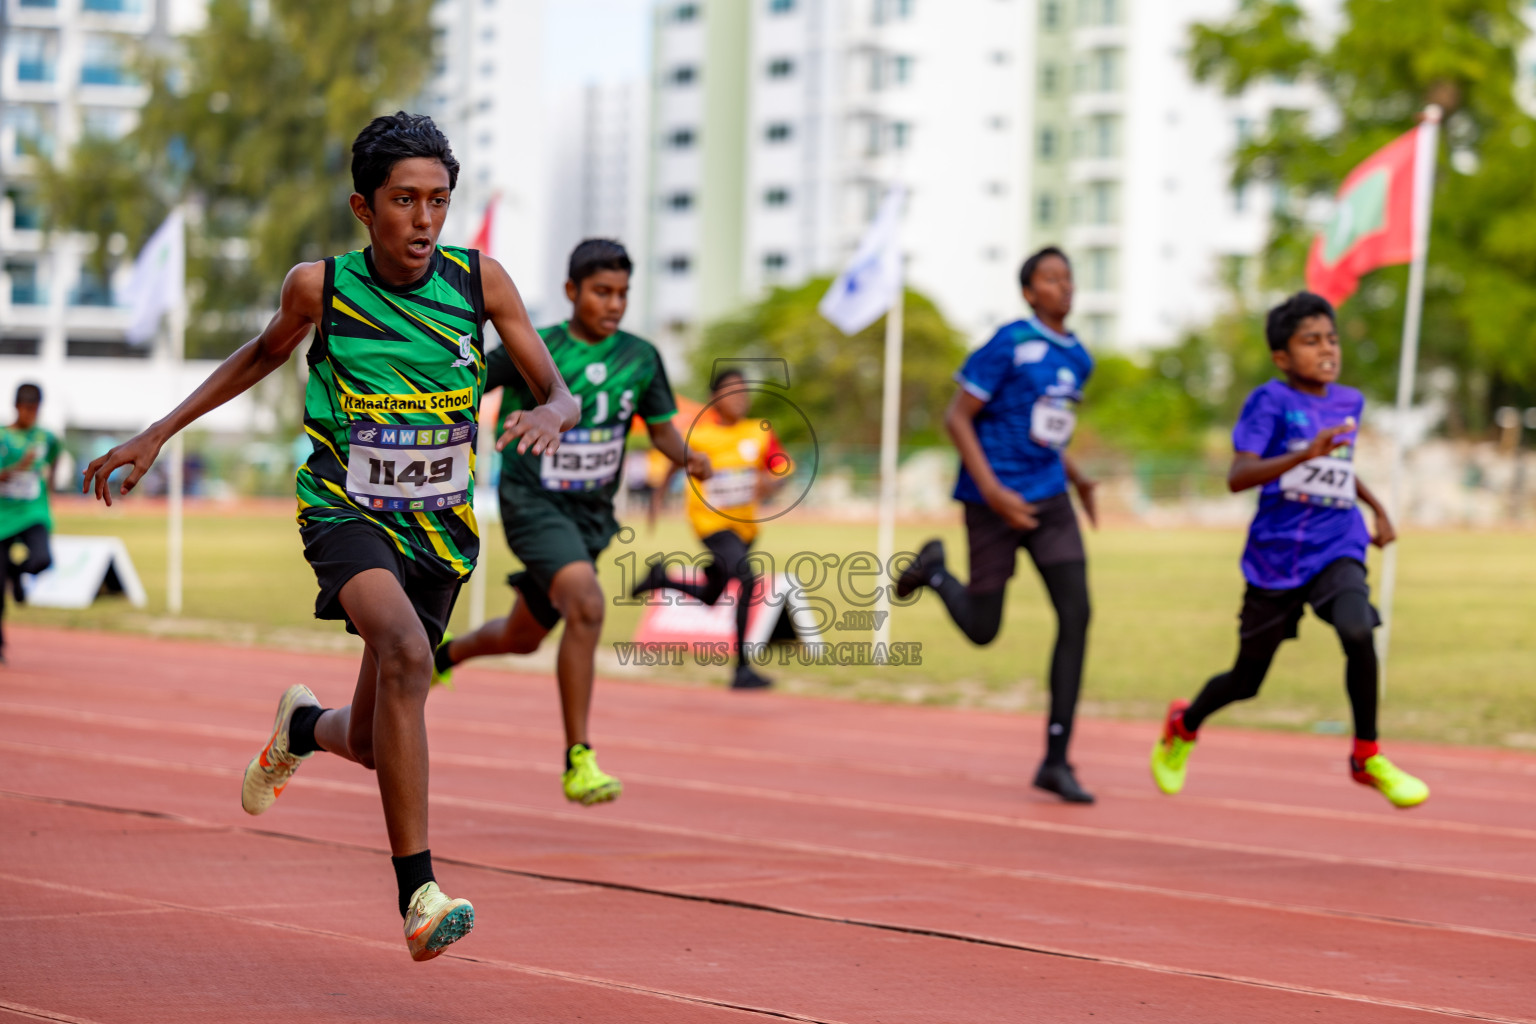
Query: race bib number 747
(1327, 481)
(392, 468)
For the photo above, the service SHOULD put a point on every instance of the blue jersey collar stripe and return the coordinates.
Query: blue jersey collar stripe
(1066, 340)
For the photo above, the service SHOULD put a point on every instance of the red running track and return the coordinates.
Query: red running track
(772, 858)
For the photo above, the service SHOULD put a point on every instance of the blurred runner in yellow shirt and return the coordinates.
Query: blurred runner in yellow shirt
(749, 465)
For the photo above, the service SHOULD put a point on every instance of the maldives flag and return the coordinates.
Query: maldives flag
(1373, 224)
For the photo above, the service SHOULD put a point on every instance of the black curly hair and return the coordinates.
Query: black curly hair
(394, 137)
(1283, 320)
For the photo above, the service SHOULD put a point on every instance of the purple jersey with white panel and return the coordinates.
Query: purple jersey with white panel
(1307, 518)
(1031, 379)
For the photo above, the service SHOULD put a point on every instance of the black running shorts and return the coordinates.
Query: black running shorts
(994, 543)
(339, 551)
(1280, 611)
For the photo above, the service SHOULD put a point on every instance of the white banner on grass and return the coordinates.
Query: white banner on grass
(83, 568)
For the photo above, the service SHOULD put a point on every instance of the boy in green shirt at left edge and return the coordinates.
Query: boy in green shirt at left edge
(28, 457)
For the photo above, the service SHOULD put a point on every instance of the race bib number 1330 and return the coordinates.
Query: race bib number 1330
(588, 459)
(391, 468)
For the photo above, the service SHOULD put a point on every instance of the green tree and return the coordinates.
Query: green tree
(836, 380)
(249, 120)
(1388, 60)
(1148, 407)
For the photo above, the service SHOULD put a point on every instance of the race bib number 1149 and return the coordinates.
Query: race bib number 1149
(391, 468)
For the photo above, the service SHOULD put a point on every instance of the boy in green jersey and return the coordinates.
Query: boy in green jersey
(396, 372)
(557, 508)
(28, 457)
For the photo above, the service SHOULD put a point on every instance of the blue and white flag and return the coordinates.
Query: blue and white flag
(159, 278)
(871, 284)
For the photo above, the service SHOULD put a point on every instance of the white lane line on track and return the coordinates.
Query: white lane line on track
(1108, 961)
(394, 948)
(1012, 783)
(849, 853)
(37, 1014)
(1512, 765)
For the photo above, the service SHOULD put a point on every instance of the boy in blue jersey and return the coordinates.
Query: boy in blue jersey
(1011, 420)
(1295, 440)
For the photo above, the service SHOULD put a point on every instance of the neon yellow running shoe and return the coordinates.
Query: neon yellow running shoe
(269, 771)
(1171, 753)
(442, 677)
(1400, 788)
(585, 783)
(433, 922)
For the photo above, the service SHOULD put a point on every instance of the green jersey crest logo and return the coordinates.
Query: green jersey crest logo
(466, 351)
(597, 373)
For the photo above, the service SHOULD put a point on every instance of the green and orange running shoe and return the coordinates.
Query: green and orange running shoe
(1400, 788)
(269, 771)
(584, 782)
(433, 922)
(1171, 753)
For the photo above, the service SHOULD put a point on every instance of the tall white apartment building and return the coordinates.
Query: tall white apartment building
(484, 92)
(64, 74)
(1132, 162)
(778, 125)
(597, 148)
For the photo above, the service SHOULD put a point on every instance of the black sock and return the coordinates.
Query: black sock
(570, 748)
(411, 873)
(743, 610)
(301, 729)
(440, 659)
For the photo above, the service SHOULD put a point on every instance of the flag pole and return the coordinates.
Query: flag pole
(485, 450)
(485, 439)
(176, 483)
(1427, 149)
(890, 425)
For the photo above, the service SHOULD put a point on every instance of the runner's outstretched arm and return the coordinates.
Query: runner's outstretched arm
(1385, 532)
(670, 443)
(538, 429)
(1087, 488)
(297, 311)
(1250, 470)
(959, 420)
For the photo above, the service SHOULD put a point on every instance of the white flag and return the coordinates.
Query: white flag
(871, 284)
(159, 278)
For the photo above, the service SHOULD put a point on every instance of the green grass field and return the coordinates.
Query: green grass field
(1462, 668)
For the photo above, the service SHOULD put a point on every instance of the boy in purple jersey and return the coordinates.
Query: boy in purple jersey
(1295, 440)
